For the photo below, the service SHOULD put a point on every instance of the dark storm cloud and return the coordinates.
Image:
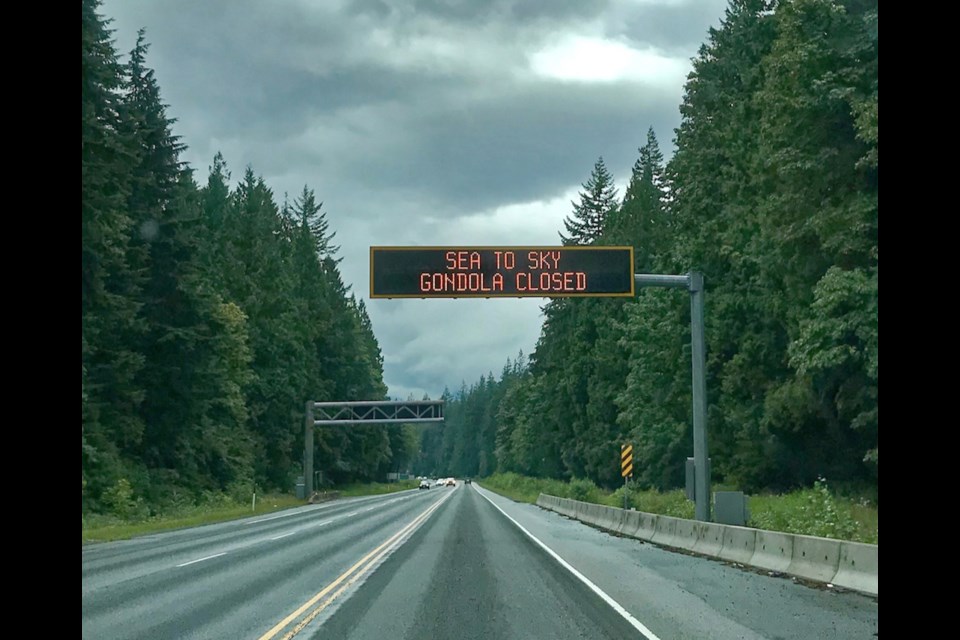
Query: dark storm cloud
(416, 121)
(464, 137)
(519, 146)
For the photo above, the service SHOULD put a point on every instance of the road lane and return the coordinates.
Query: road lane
(470, 573)
(135, 589)
(682, 596)
(445, 563)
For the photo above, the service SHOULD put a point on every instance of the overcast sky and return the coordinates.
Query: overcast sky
(466, 122)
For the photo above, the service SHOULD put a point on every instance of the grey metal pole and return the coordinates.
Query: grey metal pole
(308, 450)
(698, 349)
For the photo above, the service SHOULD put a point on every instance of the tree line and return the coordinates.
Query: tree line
(773, 194)
(210, 313)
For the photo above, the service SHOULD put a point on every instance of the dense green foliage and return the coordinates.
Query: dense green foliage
(773, 195)
(103, 527)
(815, 511)
(210, 312)
(209, 316)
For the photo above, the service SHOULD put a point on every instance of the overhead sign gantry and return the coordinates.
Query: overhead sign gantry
(319, 414)
(501, 272)
(519, 272)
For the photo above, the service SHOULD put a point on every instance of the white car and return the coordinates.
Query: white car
(424, 484)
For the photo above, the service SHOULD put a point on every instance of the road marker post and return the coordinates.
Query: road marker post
(626, 470)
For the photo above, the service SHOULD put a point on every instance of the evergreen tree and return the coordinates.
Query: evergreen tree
(111, 426)
(195, 348)
(640, 220)
(597, 200)
(307, 209)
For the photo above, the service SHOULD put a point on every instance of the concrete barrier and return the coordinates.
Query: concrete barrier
(579, 510)
(610, 518)
(630, 524)
(686, 534)
(603, 517)
(859, 567)
(648, 526)
(773, 551)
(666, 532)
(851, 565)
(591, 514)
(710, 539)
(815, 558)
(739, 544)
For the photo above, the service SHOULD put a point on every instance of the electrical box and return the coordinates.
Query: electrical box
(730, 507)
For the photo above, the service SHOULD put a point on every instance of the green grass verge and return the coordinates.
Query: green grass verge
(375, 488)
(106, 528)
(815, 511)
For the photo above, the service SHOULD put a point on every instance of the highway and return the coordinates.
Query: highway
(446, 563)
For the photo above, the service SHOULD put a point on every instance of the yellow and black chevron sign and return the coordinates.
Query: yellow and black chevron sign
(626, 460)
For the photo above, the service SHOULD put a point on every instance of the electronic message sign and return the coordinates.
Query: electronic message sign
(501, 272)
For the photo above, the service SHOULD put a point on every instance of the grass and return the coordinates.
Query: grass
(375, 488)
(817, 512)
(101, 528)
(814, 511)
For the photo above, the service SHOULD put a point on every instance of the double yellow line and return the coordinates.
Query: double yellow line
(348, 578)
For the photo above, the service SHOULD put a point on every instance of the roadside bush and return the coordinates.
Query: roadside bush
(583, 490)
(121, 502)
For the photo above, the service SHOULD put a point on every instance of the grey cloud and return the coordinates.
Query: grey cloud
(349, 101)
(481, 11)
(520, 146)
(676, 29)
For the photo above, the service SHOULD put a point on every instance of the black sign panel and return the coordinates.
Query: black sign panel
(500, 272)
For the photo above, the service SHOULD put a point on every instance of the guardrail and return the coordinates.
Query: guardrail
(851, 565)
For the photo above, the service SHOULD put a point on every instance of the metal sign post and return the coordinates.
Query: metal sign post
(693, 282)
(319, 414)
(626, 470)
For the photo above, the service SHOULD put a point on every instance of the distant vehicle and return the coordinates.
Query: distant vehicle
(424, 484)
(451, 482)
(467, 481)
(440, 482)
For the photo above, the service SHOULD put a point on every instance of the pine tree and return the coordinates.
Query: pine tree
(640, 220)
(110, 287)
(306, 208)
(597, 200)
(195, 347)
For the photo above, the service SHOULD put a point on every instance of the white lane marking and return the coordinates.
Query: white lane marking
(282, 515)
(216, 555)
(366, 565)
(318, 507)
(639, 626)
(290, 533)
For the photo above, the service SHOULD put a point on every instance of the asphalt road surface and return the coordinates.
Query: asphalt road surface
(447, 563)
